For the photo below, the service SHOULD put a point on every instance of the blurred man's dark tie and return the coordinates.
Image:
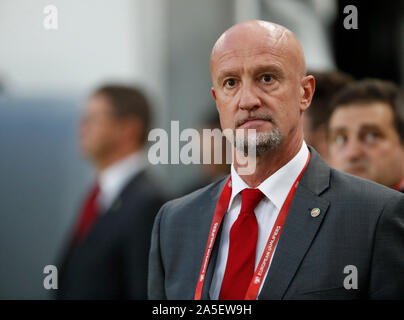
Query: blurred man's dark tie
(88, 214)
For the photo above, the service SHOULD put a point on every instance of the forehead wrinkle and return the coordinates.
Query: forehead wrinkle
(274, 54)
(276, 44)
(247, 53)
(279, 42)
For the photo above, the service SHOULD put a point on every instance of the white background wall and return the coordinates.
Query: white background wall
(96, 39)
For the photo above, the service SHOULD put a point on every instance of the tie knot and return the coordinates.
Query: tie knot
(250, 199)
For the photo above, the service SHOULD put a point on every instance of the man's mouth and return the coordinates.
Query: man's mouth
(251, 123)
(355, 169)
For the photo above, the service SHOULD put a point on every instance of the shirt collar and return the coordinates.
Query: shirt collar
(113, 178)
(277, 186)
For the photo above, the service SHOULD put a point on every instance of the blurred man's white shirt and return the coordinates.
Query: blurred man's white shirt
(113, 179)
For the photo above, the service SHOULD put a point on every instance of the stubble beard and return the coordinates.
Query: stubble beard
(262, 142)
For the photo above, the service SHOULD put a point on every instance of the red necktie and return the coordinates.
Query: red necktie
(243, 244)
(88, 214)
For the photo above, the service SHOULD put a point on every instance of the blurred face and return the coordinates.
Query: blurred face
(258, 83)
(99, 130)
(316, 138)
(215, 146)
(364, 142)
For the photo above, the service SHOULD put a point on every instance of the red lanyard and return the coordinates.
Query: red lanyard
(220, 211)
(399, 186)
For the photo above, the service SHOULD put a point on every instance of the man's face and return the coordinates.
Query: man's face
(257, 85)
(317, 138)
(99, 130)
(364, 142)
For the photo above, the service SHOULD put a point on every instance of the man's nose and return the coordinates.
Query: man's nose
(249, 99)
(354, 149)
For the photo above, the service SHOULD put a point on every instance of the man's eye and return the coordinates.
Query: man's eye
(370, 137)
(230, 83)
(340, 140)
(266, 78)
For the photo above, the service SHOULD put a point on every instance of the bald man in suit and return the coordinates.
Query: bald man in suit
(342, 237)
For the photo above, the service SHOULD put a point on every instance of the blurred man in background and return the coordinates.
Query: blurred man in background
(315, 119)
(216, 145)
(107, 256)
(366, 132)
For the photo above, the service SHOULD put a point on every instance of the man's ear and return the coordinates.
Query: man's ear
(133, 129)
(308, 85)
(213, 93)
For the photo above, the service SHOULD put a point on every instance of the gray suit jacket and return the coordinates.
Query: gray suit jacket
(361, 224)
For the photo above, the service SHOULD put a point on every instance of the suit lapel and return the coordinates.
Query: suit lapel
(299, 230)
(298, 233)
(126, 192)
(214, 197)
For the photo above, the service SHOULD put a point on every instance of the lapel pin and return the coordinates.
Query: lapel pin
(315, 212)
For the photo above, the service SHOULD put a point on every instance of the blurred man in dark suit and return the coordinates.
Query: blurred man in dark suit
(315, 119)
(367, 132)
(107, 256)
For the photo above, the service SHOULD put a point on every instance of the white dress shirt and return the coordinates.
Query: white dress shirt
(275, 188)
(113, 179)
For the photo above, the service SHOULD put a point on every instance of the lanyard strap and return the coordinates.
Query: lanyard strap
(400, 185)
(220, 211)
